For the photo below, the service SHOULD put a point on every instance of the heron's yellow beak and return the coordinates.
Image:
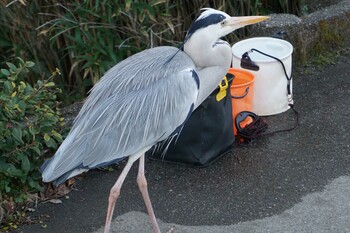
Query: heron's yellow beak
(246, 20)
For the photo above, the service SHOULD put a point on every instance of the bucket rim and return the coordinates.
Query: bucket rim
(247, 73)
(241, 71)
(289, 45)
(241, 85)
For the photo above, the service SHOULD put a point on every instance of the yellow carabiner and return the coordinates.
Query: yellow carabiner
(223, 85)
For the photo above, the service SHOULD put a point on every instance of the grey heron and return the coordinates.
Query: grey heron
(143, 100)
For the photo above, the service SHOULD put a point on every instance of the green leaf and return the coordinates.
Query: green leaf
(56, 135)
(36, 150)
(49, 84)
(22, 105)
(127, 5)
(39, 83)
(8, 87)
(23, 84)
(51, 143)
(47, 137)
(12, 67)
(5, 185)
(5, 72)
(34, 184)
(25, 165)
(32, 131)
(29, 64)
(29, 89)
(10, 170)
(47, 123)
(20, 60)
(17, 135)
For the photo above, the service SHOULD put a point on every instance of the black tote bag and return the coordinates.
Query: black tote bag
(206, 136)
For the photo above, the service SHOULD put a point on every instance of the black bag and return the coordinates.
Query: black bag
(206, 136)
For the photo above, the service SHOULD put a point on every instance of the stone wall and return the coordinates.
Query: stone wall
(323, 30)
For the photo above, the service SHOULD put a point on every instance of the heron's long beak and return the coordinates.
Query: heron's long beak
(246, 20)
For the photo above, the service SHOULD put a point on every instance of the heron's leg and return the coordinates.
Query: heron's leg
(142, 183)
(115, 191)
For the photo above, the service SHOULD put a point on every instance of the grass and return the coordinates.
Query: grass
(85, 38)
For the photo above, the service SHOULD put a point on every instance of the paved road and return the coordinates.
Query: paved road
(290, 182)
(326, 211)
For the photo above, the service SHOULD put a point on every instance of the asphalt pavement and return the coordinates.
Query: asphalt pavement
(297, 181)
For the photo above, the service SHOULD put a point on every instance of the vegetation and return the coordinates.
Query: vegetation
(83, 39)
(29, 123)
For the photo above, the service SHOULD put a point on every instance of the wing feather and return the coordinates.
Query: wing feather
(138, 102)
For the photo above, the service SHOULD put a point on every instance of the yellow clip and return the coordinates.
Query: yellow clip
(222, 92)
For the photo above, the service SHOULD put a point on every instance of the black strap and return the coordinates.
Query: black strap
(296, 123)
(284, 68)
(258, 127)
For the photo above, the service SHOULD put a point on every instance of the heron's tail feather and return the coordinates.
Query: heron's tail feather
(70, 160)
(66, 162)
(62, 178)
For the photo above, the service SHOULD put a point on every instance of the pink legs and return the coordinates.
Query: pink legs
(142, 183)
(114, 194)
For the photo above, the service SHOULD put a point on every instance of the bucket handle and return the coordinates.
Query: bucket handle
(242, 96)
(289, 78)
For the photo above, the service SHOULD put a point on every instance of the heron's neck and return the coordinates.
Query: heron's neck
(212, 59)
(207, 50)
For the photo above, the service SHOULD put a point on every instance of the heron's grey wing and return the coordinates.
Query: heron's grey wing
(138, 103)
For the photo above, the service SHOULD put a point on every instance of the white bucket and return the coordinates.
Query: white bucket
(270, 93)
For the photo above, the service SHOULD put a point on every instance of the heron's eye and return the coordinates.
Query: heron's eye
(223, 23)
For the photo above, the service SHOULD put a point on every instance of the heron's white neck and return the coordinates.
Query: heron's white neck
(212, 58)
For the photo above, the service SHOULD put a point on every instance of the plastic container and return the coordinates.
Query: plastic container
(270, 92)
(242, 89)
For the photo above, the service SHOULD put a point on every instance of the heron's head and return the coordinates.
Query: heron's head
(214, 24)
